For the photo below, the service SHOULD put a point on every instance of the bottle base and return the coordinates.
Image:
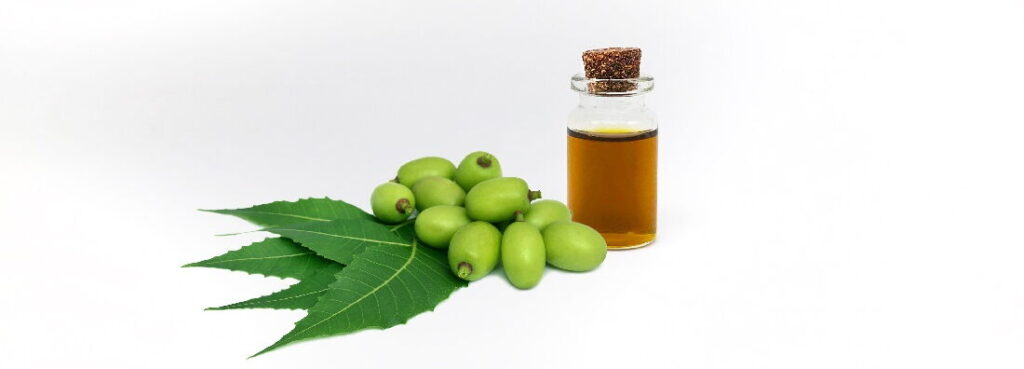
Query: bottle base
(626, 241)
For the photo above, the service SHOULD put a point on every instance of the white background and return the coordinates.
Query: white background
(841, 182)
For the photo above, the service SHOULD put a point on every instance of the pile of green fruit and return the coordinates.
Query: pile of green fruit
(480, 216)
(432, 229)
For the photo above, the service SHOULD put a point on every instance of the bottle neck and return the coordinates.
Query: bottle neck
(613, 102)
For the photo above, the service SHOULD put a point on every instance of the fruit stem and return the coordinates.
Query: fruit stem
(465, 269)
(533, 195)
(519, 216)
(484, 161)
(403, 206)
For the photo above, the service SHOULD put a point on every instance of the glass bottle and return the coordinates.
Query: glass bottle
(613, 160)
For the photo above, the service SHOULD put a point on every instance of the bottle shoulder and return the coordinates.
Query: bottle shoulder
(592, 119)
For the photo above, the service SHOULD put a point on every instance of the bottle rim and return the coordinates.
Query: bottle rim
(612, 87)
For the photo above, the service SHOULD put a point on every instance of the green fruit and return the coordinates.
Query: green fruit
(392, 202)
(474, 250)
(522, 254)
(436, 226)
(574, 246)
(544, 212)
(413, 171)
(475, 168)
(432, 191)
(498, 199)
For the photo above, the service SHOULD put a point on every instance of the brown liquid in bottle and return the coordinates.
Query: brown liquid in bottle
(613, 184)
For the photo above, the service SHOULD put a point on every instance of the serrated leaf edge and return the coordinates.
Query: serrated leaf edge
(230, 211)
(311, 252)
(197, 264)
(244, 304)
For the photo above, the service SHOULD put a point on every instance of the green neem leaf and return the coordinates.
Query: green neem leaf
(302, 295)
(278, 257)
(341, 240)
(385, 286)
(388, 280)
(404, 229)
(280, 213)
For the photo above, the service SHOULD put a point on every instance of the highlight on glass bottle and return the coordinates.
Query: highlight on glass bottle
(613, 160)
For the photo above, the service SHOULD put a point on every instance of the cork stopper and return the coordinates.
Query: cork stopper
(612, 63)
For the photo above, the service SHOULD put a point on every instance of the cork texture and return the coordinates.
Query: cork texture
(612, 63)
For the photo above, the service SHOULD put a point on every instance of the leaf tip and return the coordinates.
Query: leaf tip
(217, 211)
(263, 351)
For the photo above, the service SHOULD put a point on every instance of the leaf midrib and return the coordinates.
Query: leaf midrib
(279, 299)
(400, 225)
(370, 240)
